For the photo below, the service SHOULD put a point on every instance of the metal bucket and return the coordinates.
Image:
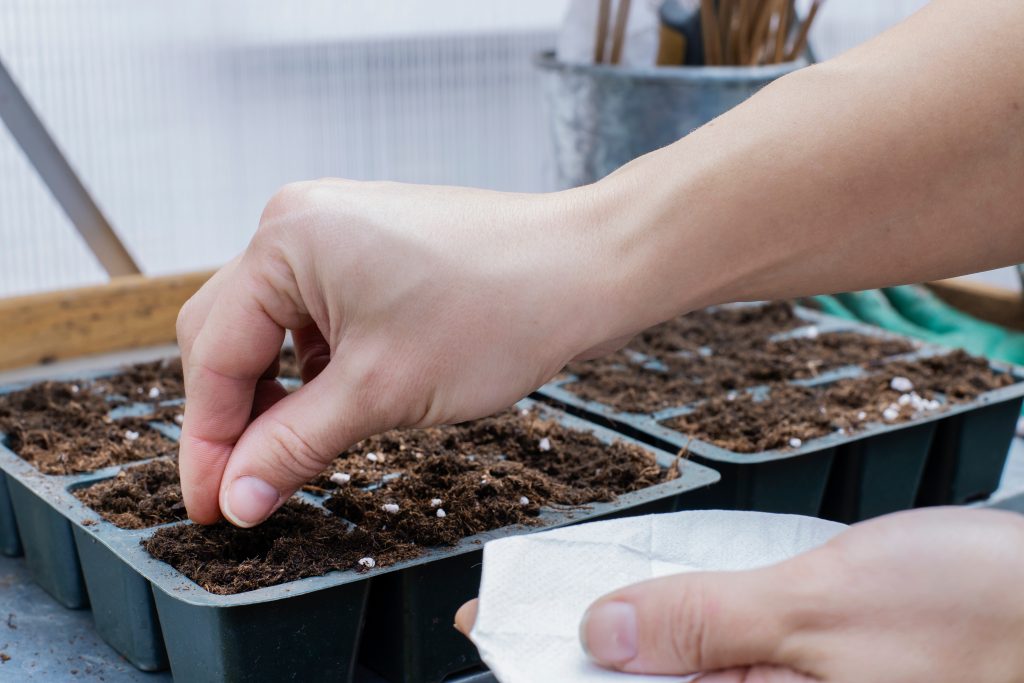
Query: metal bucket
(604, 116)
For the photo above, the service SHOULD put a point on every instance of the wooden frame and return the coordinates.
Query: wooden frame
(128, 312)
(137, 311)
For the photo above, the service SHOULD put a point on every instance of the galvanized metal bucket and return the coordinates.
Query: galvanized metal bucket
(603, 116)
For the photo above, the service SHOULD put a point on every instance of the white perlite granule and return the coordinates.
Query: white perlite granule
(154, 392)
(435, 502)
(179, 419)
(891, 413)
(901, 384)
(372, 457)
(441, 513)
(524, 501)
(340, 478)
(795, 442)
(545, 444)
(130, 435)
(368, 562)
(390, 508)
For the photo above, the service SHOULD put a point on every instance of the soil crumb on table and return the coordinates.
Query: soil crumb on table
(407, 490)
(138, 497)
(64, 428)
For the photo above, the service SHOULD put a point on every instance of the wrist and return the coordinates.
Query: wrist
(646, 262)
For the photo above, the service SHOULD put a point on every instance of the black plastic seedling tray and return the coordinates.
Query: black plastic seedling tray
(10, 541)
(951, 456)
(306, 630)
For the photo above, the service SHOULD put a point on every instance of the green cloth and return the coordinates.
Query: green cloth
(914, 311)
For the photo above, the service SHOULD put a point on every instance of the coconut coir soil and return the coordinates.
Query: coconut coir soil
(627, 384)
(745, 424)
(138, 497)
(64, 428)
(477, 473)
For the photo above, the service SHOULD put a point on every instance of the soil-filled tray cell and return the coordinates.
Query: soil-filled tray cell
(10, 541)
(307, 637)
(966, 462)
(143, 605)
(881, 422)
(408, 635)
(878, 475)
(122, 604)
(49, 546)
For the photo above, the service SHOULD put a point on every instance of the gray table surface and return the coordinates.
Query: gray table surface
(47, 643)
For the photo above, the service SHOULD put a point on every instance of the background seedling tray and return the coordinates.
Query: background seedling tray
(951, 456)
(304, 630)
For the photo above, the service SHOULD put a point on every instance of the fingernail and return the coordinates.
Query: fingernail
(249, 501)
(608, 633)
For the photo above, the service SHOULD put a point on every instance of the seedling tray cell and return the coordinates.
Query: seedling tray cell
(951, 456)
(306, 630)
(10, 541)
(49, 545)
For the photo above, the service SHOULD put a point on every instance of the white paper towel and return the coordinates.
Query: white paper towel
(535, 588)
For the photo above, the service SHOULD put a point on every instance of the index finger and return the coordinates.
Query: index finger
(236, 344)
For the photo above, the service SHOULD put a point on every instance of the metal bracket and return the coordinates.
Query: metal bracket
(41, 150)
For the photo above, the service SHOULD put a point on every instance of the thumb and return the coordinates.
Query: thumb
(286, 446)
(693, 622)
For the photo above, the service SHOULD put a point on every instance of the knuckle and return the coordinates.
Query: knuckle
(291, 456)
(184, 324)
(687, 616)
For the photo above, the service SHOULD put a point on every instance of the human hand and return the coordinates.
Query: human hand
(927, 595)
(409, 306)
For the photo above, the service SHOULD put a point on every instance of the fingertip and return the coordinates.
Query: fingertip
(609, 633)
(248, 501)
(465, 618)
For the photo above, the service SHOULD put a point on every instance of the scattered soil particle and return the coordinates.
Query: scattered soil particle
(64, 428)
(10, 622)
(627, 384)
(298, 541)
(4, 658)
(138, 497)
(748, 425)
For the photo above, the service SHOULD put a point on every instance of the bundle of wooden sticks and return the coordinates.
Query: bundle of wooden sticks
(750, 32)
(713, 32)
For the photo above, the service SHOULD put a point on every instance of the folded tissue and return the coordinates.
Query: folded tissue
(535, 588)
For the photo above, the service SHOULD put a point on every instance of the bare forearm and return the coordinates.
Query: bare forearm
(900, 161)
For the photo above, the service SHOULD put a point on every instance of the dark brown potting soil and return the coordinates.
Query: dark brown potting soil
(627, 385)
(958, 375)
(731, 325)
(63, 428)
(744, 424)
(136, 382)
(138, 497)
(298, 541)
(482, 475)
